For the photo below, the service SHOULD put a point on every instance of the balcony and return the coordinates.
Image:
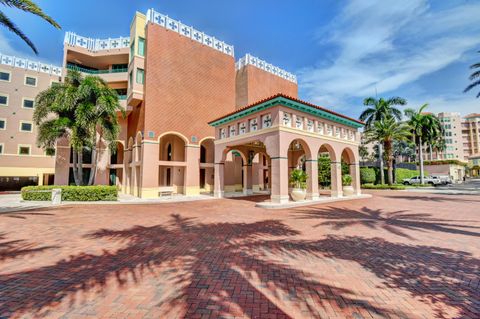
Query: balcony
(109, 75)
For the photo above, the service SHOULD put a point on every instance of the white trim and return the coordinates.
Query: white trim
(29, 99)
(26, 64)
(249, 59)
(9, 75)
(30, 76)
(25, 122)
(188, 32)
(94, 45)
(24, 145)
(8, 98)
(5, 125)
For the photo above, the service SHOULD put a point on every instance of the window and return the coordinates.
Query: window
(140, 76)
(50, 152)
(3, 124)
(28, 103)
(3, 99)
(5, 76)
(141, 46)
(30, 80)
(24, 150)
(130, 77)
(169, 152)
(1, 148)
(26, 126)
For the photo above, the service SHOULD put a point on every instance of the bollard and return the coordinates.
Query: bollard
(56, 196)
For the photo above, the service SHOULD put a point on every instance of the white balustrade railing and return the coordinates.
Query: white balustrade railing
(30, 64)
(95, 45)
(249, 59)
(189, 32)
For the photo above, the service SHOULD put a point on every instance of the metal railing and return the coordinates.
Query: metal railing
(90, 71)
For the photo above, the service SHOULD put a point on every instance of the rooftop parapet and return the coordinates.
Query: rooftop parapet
(189, 32)
(95, 45)
(249, 59)
(30, 65)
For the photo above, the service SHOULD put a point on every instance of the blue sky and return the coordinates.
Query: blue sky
(341, 51)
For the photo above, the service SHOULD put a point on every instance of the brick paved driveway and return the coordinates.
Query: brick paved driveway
(401, 254)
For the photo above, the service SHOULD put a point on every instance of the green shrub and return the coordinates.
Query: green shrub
(384, 186)
(346, 180)
(72, 193)
(403, 173)
(367, 175)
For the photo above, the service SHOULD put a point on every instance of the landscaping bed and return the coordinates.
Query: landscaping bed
(71, 193)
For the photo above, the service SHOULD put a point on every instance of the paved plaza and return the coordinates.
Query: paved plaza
(396, 255)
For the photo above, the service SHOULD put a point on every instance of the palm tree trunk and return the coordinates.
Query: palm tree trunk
(420, 150)
(380, 158)
(80, 167)
(431, 152)
(75, 163)
(389, 157)
(93, 170)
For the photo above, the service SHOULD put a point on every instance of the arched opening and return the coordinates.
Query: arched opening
(172, 165)
(350, 173)
(261, 173)
(207, 157)
(116, 165)
(298, 153)
(234, 178)
(326, 172)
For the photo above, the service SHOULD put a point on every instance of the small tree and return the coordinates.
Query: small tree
(82, 110)
(298, 179)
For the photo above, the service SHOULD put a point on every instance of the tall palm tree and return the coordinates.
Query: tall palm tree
(425, 128)
(434, 134)
(378, 110)
(474, 77)
(82, 110)
(388, 130)
(27, 6)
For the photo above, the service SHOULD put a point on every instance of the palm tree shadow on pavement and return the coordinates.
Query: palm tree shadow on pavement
(212, 269)
(11, 249)
(397, 222)
(439, 276)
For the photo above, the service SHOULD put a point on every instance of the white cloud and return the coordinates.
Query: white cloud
(383, 45)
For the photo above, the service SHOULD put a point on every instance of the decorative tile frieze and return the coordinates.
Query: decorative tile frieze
(94, 45)
(30, 65)
(249, 59)
(266, 121)
(189, 32)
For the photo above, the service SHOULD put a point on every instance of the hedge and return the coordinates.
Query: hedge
(404, 173)
(72, 193)
(384, 186)
(445, 162)
(367, 175)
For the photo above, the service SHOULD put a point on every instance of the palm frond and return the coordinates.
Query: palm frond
(471, 86)
(7, 23)
(31, 7)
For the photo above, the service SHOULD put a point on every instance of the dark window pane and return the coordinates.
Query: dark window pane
(4, 76)
(3, 100)
(28, 104)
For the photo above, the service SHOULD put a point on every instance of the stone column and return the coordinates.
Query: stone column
(192, 170)
(148, 171)
(279, 192)
(336, 185)
(218, 186)
(355, 173)
(312, 182)
(247, 179)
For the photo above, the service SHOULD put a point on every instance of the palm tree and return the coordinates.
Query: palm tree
(377, 110)
(28, 6)
(425, 128)
(387, 131)
(82, 110)
(434, 134)
(474, 77)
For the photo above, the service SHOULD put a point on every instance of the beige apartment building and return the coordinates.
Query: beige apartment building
(21, 161)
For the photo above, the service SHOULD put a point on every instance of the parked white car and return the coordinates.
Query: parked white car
(444, 179)
(427, 180)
